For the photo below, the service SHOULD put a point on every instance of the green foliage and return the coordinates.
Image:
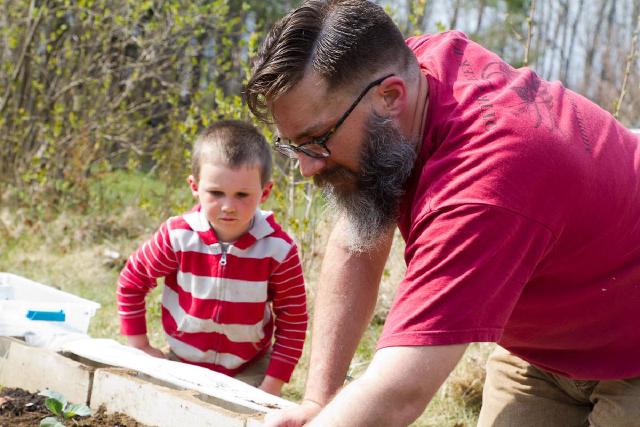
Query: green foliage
(121, 82)
(102, 99)
(61, 409)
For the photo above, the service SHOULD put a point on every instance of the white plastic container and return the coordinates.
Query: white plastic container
(19, 296)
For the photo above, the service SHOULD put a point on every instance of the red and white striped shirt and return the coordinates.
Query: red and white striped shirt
(221, 301)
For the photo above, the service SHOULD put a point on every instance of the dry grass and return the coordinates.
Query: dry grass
(457, 403)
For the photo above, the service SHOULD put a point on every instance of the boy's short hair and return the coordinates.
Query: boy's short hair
(238, 143)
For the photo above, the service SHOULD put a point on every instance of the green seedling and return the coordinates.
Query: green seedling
(62, 409)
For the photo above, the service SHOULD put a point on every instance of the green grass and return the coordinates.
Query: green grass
(69, 252)
(83, 270)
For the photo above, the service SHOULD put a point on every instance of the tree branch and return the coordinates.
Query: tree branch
(527, 46)
(25, 47)
(627, 71)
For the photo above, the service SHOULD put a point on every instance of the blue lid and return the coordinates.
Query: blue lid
(52, 316)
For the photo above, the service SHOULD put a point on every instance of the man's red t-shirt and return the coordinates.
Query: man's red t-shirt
(522, 219)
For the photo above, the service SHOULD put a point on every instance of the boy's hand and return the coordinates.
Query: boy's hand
(141, 342)
(271, 385)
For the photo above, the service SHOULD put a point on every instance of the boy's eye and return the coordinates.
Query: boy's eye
(215, 193)
(242, 195)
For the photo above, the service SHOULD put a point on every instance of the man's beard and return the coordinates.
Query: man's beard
(369, 200)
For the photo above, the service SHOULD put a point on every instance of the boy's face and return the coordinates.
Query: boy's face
(229, 197)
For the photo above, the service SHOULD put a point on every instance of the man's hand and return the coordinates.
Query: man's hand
(141, 342)
(293, 417)
(271, 385)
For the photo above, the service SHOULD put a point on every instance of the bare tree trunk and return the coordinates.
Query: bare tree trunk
(426, 13)
(230, 56)
(548, 46)
(607, 71)
(419, 9)
(564, 18)
(456, 10)
(540, 11)
(5, 54)
(196, 69)
(630, 60)
(530, 23)
(409, 8)
(33, 23)
(591, 50)
(481, 8)
(556, 48)
(572, 39)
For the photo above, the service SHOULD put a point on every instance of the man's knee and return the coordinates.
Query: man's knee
(616, 403)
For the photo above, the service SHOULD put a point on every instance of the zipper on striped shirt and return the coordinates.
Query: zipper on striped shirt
(224, 248)
(223, 257)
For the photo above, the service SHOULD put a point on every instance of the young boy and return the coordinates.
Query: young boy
(232, 276)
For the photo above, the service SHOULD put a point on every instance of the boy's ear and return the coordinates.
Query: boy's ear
(193, 184)
(266, 190)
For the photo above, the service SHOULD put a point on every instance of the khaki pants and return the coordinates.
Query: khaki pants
(518, 394)
(254, 373)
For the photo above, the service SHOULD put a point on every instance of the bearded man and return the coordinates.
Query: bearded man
(519, 202)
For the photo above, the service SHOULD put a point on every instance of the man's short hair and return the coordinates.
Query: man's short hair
(238, 144)
(344, 41)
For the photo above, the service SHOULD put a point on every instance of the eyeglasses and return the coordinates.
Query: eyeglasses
(317, 147)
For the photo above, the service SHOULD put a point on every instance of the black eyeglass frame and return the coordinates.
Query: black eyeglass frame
(290, 150)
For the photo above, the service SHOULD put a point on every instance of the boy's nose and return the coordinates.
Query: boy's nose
(227, 206)
(310, 166)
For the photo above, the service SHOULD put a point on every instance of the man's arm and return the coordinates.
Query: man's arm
(345, 300)
(388, 393)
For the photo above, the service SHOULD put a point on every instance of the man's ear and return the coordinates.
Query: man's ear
(393, 95)
(266, 190)
(193, 184)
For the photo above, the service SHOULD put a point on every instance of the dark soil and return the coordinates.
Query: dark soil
(19, 408)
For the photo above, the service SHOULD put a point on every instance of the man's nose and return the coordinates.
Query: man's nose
(310, 166)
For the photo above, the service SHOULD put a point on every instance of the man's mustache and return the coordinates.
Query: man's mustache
(336, 177)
